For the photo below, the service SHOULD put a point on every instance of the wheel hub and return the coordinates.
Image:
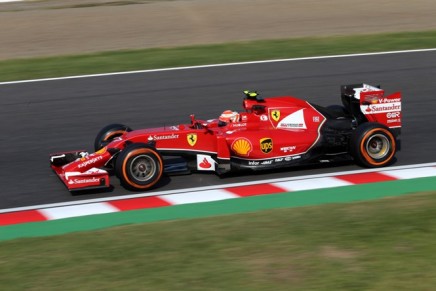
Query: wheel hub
(143, 168)
(377, 146)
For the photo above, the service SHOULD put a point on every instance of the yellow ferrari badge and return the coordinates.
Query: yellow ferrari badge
(192, 139)
(275, 115)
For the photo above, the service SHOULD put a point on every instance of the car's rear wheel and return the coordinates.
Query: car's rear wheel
(108, 133)
(373, 145)
(139, 167)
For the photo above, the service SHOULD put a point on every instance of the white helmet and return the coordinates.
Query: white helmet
(229, 116)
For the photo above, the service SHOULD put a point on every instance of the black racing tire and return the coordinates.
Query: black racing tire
(108, 133)
(139, 167)
(373, 145)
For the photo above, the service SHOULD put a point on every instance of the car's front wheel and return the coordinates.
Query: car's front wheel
(139, 167)
(373, 145)
(108, 133)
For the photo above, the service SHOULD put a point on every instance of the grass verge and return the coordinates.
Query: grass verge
(383, 244)
(22, 69)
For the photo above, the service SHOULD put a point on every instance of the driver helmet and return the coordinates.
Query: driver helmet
(229, 116)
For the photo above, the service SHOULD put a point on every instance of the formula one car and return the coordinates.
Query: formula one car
(270, 133)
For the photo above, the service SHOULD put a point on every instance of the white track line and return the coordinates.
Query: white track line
(196, 197)
(77, 210)
(326, 182)
(220, 65)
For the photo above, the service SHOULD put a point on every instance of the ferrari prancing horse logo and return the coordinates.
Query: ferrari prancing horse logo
(275, 115)
(192, 139)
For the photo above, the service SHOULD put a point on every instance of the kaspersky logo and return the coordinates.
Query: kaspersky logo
(275, 115)
(266, 145)
(192, 139)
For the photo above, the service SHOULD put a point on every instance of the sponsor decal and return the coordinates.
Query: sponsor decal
(394, 120)
(293, 121)
(278, 160)
(253, 163)
(266, 145)
(264, 117)
(267, 162)
(205, 163)
(393, 114)
(275, 115)
(381, 108)
(84, 181)
(162, 137)
(288, 149)
(244, 117)
(238, 125)
(316, 119)
(242, 146)
(391, 100)
(90, 162)
(292, 125)
(192, 139)
(292, 158)
(174, 127)
(393, 117)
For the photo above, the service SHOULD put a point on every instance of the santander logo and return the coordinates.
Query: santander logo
(205, 164)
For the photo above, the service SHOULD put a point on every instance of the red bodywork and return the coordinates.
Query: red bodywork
(270, 133)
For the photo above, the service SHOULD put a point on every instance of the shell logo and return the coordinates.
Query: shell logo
(242, 146)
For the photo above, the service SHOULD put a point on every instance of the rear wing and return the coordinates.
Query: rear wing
(373, 104)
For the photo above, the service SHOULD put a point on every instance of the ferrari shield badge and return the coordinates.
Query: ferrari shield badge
(192, 139)
(275, 115)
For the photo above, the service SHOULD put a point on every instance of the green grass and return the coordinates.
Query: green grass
(384, 244)
(22, 69)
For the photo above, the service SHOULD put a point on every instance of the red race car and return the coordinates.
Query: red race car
(270, 133)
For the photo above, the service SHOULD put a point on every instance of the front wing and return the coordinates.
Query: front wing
(93, 178)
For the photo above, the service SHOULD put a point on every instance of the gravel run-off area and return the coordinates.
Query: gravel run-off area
(47, 28)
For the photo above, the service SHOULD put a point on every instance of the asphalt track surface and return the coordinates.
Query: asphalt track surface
(39, 118)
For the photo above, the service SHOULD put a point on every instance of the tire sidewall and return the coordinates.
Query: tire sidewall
(125, 159)
(359, 141)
